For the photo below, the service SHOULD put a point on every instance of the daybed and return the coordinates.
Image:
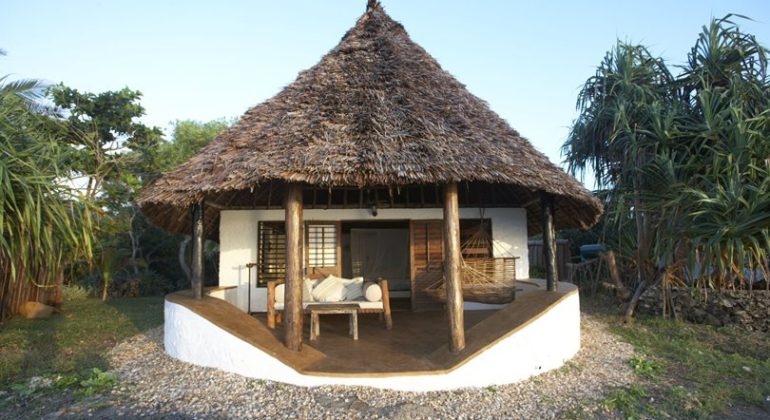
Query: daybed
(371, 297)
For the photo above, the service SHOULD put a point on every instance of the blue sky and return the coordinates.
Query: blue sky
(206, 60)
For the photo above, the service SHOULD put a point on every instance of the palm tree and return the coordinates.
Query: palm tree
(683, 160)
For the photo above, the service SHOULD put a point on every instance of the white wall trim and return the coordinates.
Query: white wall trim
(544, 344)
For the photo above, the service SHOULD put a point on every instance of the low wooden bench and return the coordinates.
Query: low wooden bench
(316, 310)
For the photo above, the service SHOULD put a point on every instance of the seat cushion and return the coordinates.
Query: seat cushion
(363, 304)
(369, 305)
(331, 289)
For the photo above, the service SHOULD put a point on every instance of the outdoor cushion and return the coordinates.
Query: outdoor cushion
(307, 296)
(369, 305)
(331, 289)
(307, 292)
(279, 292)
(361, 304)
(354, 288)
(372, 292)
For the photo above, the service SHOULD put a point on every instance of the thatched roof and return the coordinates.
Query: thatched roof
(377, 110)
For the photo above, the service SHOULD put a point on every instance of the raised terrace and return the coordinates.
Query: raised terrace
(415, 347)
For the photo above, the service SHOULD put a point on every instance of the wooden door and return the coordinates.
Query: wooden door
(426, 248)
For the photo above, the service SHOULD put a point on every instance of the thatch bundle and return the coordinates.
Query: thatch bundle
(376, 111)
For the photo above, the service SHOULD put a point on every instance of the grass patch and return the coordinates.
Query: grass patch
(696, 370)
(628, 400)
(73, 342)
(646, 367)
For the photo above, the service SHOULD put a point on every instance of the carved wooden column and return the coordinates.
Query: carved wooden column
(197, 250)
(293, 295)
(452, 269)
(549, 242)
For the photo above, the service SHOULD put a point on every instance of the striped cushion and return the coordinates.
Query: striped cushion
(331, 289)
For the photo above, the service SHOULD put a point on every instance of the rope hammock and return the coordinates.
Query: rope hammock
(485, 278)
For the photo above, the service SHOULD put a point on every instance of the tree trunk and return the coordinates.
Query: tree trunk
(134, 242)
(621, 291)
(106, 280)
(549, 242)
(640, 289)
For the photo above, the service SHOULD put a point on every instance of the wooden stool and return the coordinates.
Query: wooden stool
(328, 309)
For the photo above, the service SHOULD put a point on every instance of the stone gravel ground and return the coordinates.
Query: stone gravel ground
(155, 385)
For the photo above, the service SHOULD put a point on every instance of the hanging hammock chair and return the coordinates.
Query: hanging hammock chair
(485, 278)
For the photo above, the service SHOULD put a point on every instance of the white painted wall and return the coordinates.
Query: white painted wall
(238, 239)
(543, 344)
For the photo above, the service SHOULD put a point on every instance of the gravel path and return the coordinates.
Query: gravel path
(153, 384)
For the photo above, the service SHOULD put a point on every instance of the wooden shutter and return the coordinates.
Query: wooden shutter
(324, 249)
(271, 252)
(426, 245)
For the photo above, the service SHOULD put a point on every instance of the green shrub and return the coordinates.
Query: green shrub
(99, 381)
(75, 292)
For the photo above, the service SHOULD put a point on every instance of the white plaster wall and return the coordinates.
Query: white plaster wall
(238, 239)
(238, 247)
(228, 295)
(544, 344)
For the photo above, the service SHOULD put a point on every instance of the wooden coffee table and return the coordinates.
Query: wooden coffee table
(351, 309)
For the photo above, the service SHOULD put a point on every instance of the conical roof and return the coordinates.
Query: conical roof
(377, 110)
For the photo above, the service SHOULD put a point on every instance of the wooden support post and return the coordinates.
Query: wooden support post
(197, 250)
(293, 294)
(549, 242)
(452, 269)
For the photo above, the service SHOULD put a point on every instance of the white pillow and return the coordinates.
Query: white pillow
(372, 292)
(354, 288)
(307, 296)
(279, 292)
(331, 289)
(307, 292)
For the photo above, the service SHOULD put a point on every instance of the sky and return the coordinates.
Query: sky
(207, 60)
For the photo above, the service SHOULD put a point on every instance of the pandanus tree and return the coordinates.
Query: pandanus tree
(682, 161)
(43, 224)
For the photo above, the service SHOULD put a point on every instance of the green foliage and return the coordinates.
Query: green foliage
(682, 160)
(98, 381)
(66, 381)
(537, 272)
(105, 135)
(94, 234)
(44, 224)
(646, 367)
(628, 400)
(187, 139)
(75, 292)
(118, 156)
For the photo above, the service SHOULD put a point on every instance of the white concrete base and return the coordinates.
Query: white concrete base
(543, 344)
